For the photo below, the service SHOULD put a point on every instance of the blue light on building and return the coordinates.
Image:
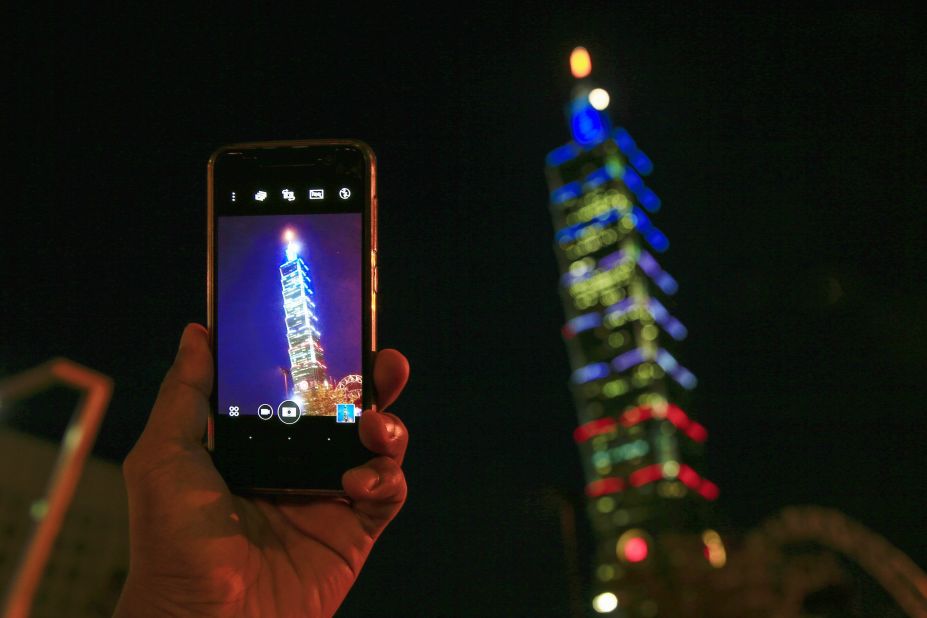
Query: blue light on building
(588, 125)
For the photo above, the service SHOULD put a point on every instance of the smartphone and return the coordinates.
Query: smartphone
(292, 297)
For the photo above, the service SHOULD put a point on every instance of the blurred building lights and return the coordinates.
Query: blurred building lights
(38, 509)
(693, 481)
(714, 549)
(634, 416)
(580, 63)
(590, 372)
(607, 485)
(605, 603)
(633, 546)
(598, 98)
(709, 490)
(635, 550)
(588, 125)
(635, 442)
(643, 476)
(563, 154)
(566, 193)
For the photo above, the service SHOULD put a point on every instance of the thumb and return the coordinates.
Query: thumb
(180, 413)
(377, 491)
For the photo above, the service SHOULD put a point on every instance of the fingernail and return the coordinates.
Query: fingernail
(392, 428)
(189, 332)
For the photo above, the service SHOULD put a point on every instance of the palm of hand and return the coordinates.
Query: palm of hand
(201, 550)
(229, 555)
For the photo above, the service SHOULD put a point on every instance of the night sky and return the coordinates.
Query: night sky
(252, 326)
(788, 151)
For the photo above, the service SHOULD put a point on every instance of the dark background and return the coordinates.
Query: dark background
(787, 146)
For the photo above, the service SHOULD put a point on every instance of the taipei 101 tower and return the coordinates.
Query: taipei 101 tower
(639, 443)
(307, 357)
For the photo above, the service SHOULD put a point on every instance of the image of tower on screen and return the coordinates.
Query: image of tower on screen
(289, 312)
(312, 385)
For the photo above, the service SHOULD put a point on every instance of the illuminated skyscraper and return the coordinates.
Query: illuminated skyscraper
(638, 445)
(307, 357)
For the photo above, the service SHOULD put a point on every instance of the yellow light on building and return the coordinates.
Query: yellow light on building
(580, 63)
(714, 549)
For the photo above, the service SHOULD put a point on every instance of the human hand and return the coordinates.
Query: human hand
(198, 550)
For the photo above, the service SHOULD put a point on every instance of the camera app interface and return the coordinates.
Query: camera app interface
(289, 316)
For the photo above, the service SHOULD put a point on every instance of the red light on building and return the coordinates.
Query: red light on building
(646, 475)
(609, 485)
(636, 415)
(633, 546)
(697, 432)
(674, 415)
(693, 481)
(709, 490)
(635, 550)
(680, 419)
(689, 477)
(593, 428)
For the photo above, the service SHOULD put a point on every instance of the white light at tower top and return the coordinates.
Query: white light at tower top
(292, 247)
(599, 98)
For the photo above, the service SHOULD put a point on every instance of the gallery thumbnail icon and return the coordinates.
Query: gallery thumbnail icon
(288, 412)
(345, 413)
(265, 411)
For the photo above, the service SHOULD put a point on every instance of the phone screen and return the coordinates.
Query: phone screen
(291, 314)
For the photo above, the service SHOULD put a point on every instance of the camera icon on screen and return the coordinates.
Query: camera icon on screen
(288, 412)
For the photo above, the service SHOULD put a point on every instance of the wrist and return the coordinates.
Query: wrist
(139, 600)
